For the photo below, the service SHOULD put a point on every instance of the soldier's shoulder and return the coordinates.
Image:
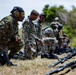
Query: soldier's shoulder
(52, 23)
(26, 22)
(8, 19)
(49, 29)
(36, 22)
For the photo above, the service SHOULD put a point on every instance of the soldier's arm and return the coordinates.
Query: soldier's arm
(17, 36)
(40, 32)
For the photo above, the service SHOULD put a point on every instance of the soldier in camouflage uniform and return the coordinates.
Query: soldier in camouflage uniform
(28, 29)
(54, 27)
(38, 26)
(58, 32)
(49, 42)
(9, 36)
(59, 26)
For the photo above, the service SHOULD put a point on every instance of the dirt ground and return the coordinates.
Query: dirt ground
(37, 66)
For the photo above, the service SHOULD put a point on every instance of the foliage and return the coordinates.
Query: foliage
(73, 42)
(67, 18)
(52, 12)
(69, 31)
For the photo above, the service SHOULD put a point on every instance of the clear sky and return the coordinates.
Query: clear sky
(7, 5)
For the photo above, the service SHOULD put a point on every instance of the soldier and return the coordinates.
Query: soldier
(38, 26)
(54, 28)
(58, 33)
(49, 42)
(9, 36)
(28, 29)
(60, 27)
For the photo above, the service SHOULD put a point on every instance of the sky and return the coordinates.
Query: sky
(28, 5)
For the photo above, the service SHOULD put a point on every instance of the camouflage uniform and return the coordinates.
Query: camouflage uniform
(49, 44)
(28, 29)
(58, 34)
(38, 28)
(8, 33)
(48, 32)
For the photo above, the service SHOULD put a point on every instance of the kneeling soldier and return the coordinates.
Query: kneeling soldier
(9, 37)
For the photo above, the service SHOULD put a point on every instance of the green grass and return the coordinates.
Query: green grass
(73, 42)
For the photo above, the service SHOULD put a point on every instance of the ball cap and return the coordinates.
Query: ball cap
(18, 9)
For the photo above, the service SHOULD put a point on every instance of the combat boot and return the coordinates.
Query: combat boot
(11, 64)
(53, 56)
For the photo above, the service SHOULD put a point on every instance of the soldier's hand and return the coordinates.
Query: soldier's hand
(42, 42)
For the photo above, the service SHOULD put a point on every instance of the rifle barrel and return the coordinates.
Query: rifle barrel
(62, 68)
(62, 60)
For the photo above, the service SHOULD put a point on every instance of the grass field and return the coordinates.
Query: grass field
(37, 66)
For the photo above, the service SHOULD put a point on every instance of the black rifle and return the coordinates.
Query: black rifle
(62, 60)
(37, 40)
(35, 37)
(62, 68)
(72, 67)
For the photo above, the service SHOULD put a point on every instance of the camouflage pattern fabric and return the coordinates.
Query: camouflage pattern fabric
(58, 33)
(38, 28)
(9, 31)
(29, 41)
(59, 27)
(49, 45)
(48, 32)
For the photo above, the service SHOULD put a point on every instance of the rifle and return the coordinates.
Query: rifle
(72, 67)
(37, 39)
(71, 64)
(62, 60)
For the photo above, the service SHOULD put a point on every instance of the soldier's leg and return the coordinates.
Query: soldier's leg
(4, 59)
(26, 45)
(38, 48)
(60, 44)
(14, 47)
(25, 50)
(52, 48)
(29, 50)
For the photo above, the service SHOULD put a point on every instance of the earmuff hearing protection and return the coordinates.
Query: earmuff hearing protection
(16, 13)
